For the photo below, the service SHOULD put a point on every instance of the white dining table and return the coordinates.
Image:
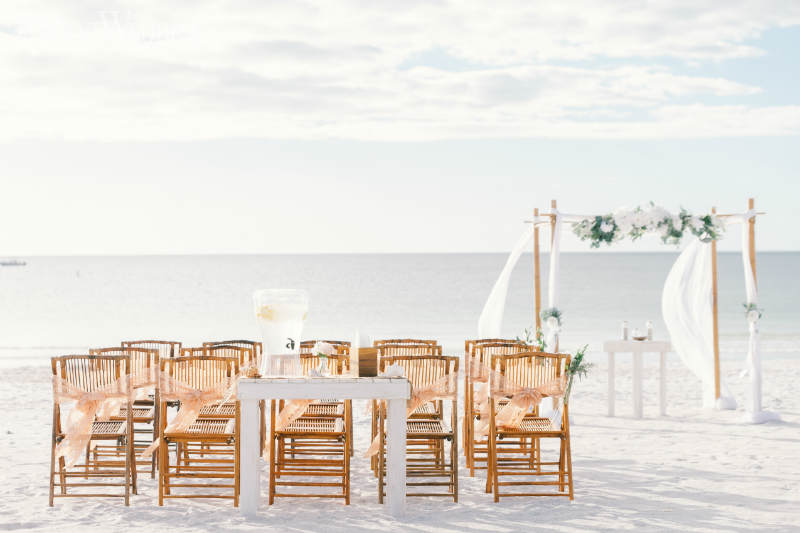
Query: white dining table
(394, 390)
(637, 348)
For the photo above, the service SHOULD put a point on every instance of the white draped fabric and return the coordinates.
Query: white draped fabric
(686, 304)
(753, 361)
(491, 320)
(552, 280)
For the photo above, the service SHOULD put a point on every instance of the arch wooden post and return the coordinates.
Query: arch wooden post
(537, 276)
(715, 311)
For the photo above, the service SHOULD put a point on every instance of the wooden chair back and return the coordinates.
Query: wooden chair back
(256, 347)
(142, 359)
(166, 349)
(422, 370)
(90, 372)
(484, 352)
(471, 344)
(382, 342)
(388, 350)
(242, 355)
(201, 372)
(530, 369)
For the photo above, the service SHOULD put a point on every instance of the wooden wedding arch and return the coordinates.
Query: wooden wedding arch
(549, 219)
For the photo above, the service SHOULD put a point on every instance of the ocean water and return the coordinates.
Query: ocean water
(58, 305)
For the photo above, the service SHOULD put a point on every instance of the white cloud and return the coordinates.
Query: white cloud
(321, 69)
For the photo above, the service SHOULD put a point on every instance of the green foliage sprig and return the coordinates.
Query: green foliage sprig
(577, 367)
(551, 312)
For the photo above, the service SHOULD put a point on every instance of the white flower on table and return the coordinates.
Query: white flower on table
(323, 348)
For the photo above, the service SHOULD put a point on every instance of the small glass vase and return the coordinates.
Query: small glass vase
(322, 367)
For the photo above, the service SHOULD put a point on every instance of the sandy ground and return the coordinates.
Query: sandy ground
(694, 470)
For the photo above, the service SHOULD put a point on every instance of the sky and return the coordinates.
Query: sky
(378, 126)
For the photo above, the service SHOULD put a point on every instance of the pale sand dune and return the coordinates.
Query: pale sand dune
(695, 470)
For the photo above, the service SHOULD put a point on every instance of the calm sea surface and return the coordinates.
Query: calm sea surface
(60, 305)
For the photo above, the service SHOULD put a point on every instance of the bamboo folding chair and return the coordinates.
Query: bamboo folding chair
(405, 347)
(469, 352)
(93, 373)
(215, 454)
(166, 349)
(508, 453)
(244, 357)
(425, 438)
(145, 361)
(476, 450)
(318, 444)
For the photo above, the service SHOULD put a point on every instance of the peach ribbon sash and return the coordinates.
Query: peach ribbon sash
(102, 403)
(192, 400)
(445, 388)
(523, 400)
(292, 410)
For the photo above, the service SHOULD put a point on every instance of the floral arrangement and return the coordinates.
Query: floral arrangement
(323, 350)
(536, 341)
(577, 367)
(752, 312)
(551, 312)
(635, 223)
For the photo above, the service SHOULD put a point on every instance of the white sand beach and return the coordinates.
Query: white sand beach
(694, 470)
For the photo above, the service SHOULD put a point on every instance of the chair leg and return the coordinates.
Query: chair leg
(163, 468)
(52, 467)
(128, 442)
(62, 472)
(569, 467)
(88, 461)
(561, 466)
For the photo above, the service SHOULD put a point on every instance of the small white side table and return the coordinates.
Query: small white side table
(637, 348)
(395, 390)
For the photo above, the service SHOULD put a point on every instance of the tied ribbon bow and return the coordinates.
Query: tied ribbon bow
(192, 401)
(102, 403)
(444, 388)
(523, 400)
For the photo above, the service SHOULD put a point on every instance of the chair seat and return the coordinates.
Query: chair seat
(216, 410)
(427, 429)
(206, 428)
(140, 414)
(324, 409)
(314, 426)
(531, 425)
(108, 430)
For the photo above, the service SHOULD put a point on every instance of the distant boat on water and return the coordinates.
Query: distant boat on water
(12, 263)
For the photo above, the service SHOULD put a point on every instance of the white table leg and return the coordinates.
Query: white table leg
(250, 475)
(662, 388)
(396, 458)
(611, 391)
(637, 385)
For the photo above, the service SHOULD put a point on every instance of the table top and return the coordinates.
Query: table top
(628, 346)
(324, 387)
